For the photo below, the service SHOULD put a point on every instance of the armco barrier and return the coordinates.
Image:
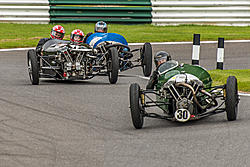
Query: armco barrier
(93, 14)
(102, 2)
(24, 11)
(45, 11)
(123, 11)
(159, 12)
(223, 12)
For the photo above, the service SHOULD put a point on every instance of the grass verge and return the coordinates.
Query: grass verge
(219, 77)
(28, 35)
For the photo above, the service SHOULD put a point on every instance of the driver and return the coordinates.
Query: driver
(77, 36)
(100, 27)
(57, 32)
(159, 58)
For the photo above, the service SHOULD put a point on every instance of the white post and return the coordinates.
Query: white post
(196, 49)
(220, 53)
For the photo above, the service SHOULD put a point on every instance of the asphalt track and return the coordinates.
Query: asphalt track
(88, 123)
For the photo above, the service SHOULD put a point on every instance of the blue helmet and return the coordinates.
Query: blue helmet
(101, 26)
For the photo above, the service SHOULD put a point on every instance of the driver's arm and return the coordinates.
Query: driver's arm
(40, 45)
(153, 80)
(86, 37)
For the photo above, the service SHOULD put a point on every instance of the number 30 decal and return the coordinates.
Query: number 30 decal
(182, 115)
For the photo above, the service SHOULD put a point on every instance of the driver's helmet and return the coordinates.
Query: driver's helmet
(77, 36)
(57, 32)
(161, 57)
(101, 26)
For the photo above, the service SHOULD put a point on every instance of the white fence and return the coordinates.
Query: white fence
(223, 12)
(164, 12)
(24, 11)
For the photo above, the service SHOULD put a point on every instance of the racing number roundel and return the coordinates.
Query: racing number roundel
(182, 115)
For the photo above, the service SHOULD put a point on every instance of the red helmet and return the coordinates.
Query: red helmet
(57, 32)
(77, 36)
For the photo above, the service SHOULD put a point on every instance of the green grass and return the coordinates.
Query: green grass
(28, 35)
(219, 77)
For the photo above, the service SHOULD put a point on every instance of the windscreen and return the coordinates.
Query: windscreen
(169, 65)
(54, 45)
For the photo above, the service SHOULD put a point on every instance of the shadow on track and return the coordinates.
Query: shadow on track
(69, 82)
(72, 82)
(153, 124)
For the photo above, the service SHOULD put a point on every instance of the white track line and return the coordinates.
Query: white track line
(14, 49)
(153, 43)
(244, 94)
(142, 77)
(183, 43)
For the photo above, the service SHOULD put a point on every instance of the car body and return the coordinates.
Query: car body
(184, 92)
(125, 54)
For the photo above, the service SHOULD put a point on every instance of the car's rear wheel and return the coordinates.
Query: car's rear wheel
(232, 98)
(146, 57)
(113, 65)
(135, 106)
(33, 67)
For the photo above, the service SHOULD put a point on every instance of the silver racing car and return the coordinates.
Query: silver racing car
(68, 61)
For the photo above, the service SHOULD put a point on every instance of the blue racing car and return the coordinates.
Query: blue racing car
(105, 41)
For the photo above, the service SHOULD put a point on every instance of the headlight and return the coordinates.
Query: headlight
(78, 66)
(68, 66)
(181, 78)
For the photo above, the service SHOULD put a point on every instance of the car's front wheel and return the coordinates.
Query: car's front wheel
(146, 57)
(33, 67)
(232, 98)
(135, 106)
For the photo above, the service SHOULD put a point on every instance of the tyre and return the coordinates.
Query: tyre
(113, 65)
(146, 57)
(171, 106)
(135, 106)
(33, 67)
(232, 98)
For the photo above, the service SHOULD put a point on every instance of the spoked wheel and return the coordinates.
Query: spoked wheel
(232, 98)
(135, 106)
(146, 57)
(33, 67)
(113, 65)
